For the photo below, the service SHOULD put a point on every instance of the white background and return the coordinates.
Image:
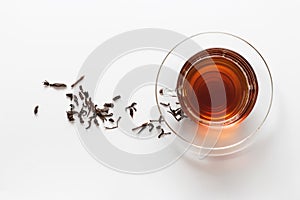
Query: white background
(42, 158)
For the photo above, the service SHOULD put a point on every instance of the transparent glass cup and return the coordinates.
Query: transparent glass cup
(238, 100)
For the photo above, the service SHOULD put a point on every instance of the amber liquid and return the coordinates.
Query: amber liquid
(217, 86)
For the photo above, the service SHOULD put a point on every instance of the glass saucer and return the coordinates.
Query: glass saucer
(211, 137)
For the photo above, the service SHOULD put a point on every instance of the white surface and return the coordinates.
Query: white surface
(42, 158)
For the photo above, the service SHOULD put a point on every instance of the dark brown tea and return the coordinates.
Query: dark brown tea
(217, 86)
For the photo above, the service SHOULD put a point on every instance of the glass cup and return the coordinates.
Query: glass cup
(214, 90)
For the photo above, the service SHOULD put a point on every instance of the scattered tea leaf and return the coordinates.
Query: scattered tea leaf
(161, 91)
(96, 122)
(163, 133)
(178, 113)
(76, 100)
(138, 127)
(72, 106)
(109, 105)
(78, 81)
(131, 109)
(89, 124)
(36, 110)
(70, 115)
(164, 104)
(54, 85)
(70, 95)
(81, 96)
(116, 98)
(117, 124)
(131, 112)
(151, 126)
